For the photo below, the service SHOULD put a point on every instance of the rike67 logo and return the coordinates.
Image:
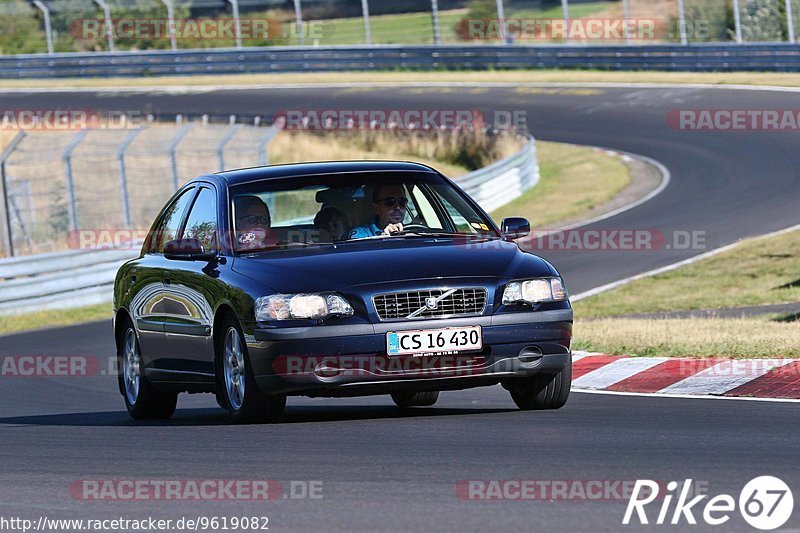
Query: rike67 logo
(765, 503)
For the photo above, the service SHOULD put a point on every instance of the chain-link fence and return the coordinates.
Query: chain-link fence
(109, 179)
(36, 26)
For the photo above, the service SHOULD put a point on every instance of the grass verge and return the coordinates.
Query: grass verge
(759, 271)
(502, 76)
(706, 337)
(54, 318)
(573, 179)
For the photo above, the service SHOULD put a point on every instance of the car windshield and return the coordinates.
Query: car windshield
(337, 208)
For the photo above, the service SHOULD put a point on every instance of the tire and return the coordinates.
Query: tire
(405, 399)
(542, 391)
(143, 401)
(245, 402)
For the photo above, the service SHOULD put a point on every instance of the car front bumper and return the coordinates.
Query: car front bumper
(351, 360)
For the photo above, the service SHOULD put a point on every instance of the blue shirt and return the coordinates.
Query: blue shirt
(360, 232)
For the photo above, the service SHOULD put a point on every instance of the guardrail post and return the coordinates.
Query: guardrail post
(237, 27)
(263, 154)
(109, 23)
(737, 21)
(501, 18)
(682, 23)
(789, 20)
(123, 177)
(8, 234)
(173, 153)
(71, 204)
(224, 142)
(437, 33)
(298, 14)
(48, 28)
(171, 23)
(365, 15)
(626, 15)
(565, 14)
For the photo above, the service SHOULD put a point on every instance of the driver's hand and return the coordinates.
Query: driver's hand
(392, 229)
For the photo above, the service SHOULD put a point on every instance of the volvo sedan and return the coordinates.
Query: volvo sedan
(333, 280)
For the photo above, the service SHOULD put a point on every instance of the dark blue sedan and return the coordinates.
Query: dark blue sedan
(336, 279)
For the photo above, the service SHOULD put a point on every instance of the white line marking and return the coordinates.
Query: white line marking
(616, 371)
(666, 177)
(392, 85)
(724, 376)
(577, 355)
(688, 396)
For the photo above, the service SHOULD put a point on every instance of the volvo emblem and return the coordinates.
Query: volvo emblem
(431, 303)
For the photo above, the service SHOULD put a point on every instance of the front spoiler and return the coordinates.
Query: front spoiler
(352, 361)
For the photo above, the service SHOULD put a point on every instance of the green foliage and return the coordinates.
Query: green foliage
(482, 9)
(20, 31)
(763, 20)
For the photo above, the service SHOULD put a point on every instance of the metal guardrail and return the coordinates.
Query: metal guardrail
(65, 280)
(503, 181)
(783, 57)
(60, 280)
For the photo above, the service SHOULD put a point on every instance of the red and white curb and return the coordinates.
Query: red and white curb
(733, 378)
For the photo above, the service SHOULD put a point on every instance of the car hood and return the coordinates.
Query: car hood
(329, 268)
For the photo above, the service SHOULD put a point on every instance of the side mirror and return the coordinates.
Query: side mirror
(187, 250)
(515, 227)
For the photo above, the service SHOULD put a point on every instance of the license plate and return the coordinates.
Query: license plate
(434, 341)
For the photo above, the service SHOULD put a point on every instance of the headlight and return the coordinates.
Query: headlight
(534, 291)
(294, 306)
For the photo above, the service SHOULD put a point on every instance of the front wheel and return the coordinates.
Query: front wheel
(542, 391)
(142, 399)
(240, 394)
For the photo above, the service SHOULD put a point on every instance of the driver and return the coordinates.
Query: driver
(253, 223)
(389, 202)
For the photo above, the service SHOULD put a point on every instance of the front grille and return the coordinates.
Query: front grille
(463, 302)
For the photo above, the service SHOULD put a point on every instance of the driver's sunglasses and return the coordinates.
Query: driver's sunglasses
(254, 219)
(391, 201)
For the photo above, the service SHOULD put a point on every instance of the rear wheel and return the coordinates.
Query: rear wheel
(239, 392)
(142, 399)
(542, 391)
(415, 399)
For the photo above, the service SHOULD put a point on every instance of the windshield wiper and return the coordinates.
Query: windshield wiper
(444, 234)
(283, 246)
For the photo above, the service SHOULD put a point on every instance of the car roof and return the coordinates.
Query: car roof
(246, 175)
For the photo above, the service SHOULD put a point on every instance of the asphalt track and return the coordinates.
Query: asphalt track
(385, 470)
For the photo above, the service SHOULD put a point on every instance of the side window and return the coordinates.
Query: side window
(167, 229)
(202, 221)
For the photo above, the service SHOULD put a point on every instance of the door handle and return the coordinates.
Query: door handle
(167, 281)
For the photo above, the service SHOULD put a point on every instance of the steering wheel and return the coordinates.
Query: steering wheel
(414, 227)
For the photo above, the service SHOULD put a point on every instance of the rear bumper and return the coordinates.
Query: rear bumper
(352, 360)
